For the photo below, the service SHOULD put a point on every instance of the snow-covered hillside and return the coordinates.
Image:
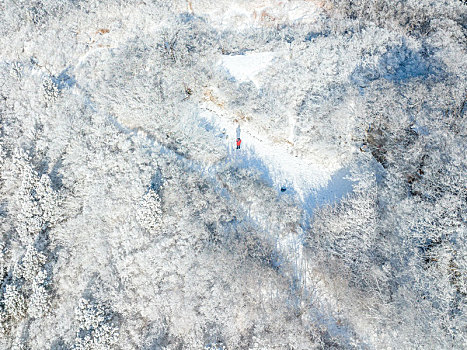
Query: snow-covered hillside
(130, 220)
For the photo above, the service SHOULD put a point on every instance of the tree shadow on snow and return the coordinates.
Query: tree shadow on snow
(400, 63)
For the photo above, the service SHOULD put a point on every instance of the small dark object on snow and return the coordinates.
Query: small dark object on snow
(283, 189)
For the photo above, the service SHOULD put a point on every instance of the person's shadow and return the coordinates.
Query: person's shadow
(238, 131)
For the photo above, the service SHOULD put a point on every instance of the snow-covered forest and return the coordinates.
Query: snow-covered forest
(130, 220)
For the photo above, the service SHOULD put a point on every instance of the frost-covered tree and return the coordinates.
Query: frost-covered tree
(13, 302)
(96, 328)
(149, 213)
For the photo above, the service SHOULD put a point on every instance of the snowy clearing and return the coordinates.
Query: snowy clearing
(247, 67)
(301, 175)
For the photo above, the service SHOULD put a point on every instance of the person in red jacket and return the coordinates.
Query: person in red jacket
(239, 141)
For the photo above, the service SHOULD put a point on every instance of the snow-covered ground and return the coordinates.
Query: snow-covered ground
(246, 67)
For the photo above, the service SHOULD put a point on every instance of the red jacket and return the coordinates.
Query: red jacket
(239, 141)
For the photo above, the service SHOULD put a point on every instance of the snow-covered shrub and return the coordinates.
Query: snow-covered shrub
(34, 205)
(29, 292)
(216, 346)
(149, 212)
(348, 230)
(415, 17)
(96, 329)
(39, 299)
(14, 302)
(51, 90)
(49, 201)
(3, 261)
(20, 180)
(31, 264)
